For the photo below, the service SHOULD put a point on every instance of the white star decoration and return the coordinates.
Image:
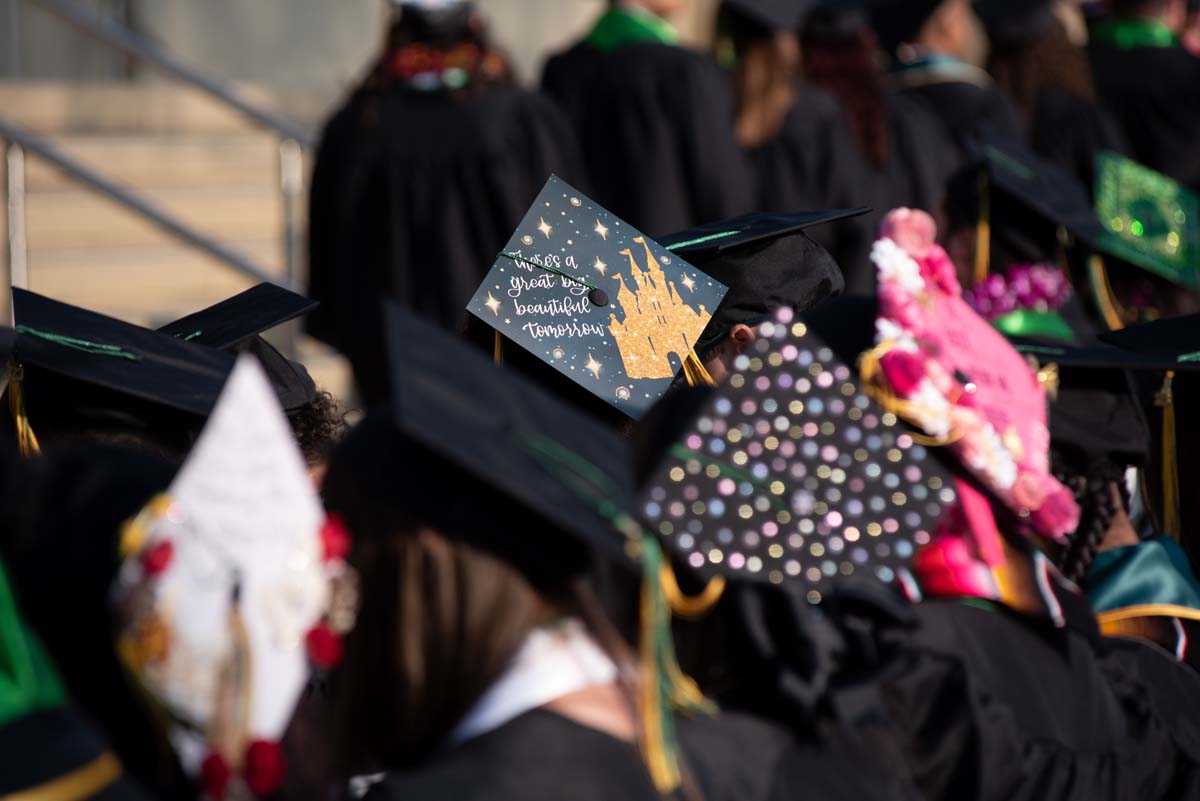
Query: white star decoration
(545, 227)
(493, 304)
(599, 266)
(602, 230)
(592, 366)
(689, 282)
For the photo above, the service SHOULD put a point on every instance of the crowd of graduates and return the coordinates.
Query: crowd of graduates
(909, 516)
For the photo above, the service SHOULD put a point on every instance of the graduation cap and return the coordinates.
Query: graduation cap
(791, 473)
(773, 15)
(549, 487)
(1015, 23)
(1148, 219)
(1166, 352)
(235, 325)
(767, 261)
(79, 368)
(899, 22)
(596, 300)
(199, 594)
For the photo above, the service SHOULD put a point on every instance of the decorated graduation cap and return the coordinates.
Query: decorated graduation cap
(75, 368)
(551, 488)
(598, 301)
(791, 473)
(766, 260)
(232, 586)
(236, 325)
(1149, 220)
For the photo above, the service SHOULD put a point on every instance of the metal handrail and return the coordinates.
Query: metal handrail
(139, 47)
(131, 200)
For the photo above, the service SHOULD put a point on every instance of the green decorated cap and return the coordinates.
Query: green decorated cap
(1149, 220)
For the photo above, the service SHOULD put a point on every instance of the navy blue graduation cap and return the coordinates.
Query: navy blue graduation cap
(235, 325)
(79, 369)
(773, 15)
(596, 300)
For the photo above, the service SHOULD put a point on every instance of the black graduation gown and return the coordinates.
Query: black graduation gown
(54, 745)
(1172, 690)
(413, 195)
(967, 110)
(814, 163)
(977, 702)
(1155, 95)
(1069, 131)
(542, 756)
(655, 123)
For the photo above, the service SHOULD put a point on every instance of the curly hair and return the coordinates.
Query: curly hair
(319, 425)
(1092, 484)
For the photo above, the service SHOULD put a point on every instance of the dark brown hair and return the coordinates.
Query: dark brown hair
(1051, 61)
(766, 66)
(846, 63)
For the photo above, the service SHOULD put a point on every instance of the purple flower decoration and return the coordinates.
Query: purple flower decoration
(1039, 287)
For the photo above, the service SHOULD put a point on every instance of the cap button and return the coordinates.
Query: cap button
(598, 297)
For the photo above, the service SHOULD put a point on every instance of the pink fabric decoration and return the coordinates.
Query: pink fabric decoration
(996, 407)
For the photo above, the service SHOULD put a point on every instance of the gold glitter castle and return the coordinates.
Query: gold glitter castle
(657, 321)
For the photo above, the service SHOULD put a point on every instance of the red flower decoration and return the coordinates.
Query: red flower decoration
(903, 371)
(324, 646)
(158, 558)
(335, 538)
(214, 775)
(264, 767)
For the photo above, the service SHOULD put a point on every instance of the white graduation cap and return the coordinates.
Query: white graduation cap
(225, 577)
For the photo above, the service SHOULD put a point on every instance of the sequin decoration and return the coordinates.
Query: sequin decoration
(791, 473)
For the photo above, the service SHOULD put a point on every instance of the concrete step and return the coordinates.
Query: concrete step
(149, 283)
(75, 217)
(164, 160)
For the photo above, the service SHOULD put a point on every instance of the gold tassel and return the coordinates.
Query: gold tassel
(983, 232)
(690, 607)
(694, 372)
(1170, 464)
(498, 350)
(656, 751)
(1110, 307)
(27, 441)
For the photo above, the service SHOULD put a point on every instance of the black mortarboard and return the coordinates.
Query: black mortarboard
(792, 473)
(1014, 23)
(1094, 408)
(597, 301)
(79, 365)
(507, 433)
(774, 15)
(766, 260)
(1023, 199)
(898, 22)
(235, 325)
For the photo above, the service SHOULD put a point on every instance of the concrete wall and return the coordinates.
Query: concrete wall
(317, 46)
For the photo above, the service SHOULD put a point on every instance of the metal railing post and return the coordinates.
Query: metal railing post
(14, 196)
(291, 184)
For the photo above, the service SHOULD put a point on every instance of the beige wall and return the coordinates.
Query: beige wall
(318, 46)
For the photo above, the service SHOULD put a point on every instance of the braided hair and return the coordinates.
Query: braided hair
(1091, 481)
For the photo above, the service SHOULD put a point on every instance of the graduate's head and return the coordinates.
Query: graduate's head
(948, 27)
(472, 525)
(60, 541)
(768, 262)
(759, 44)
